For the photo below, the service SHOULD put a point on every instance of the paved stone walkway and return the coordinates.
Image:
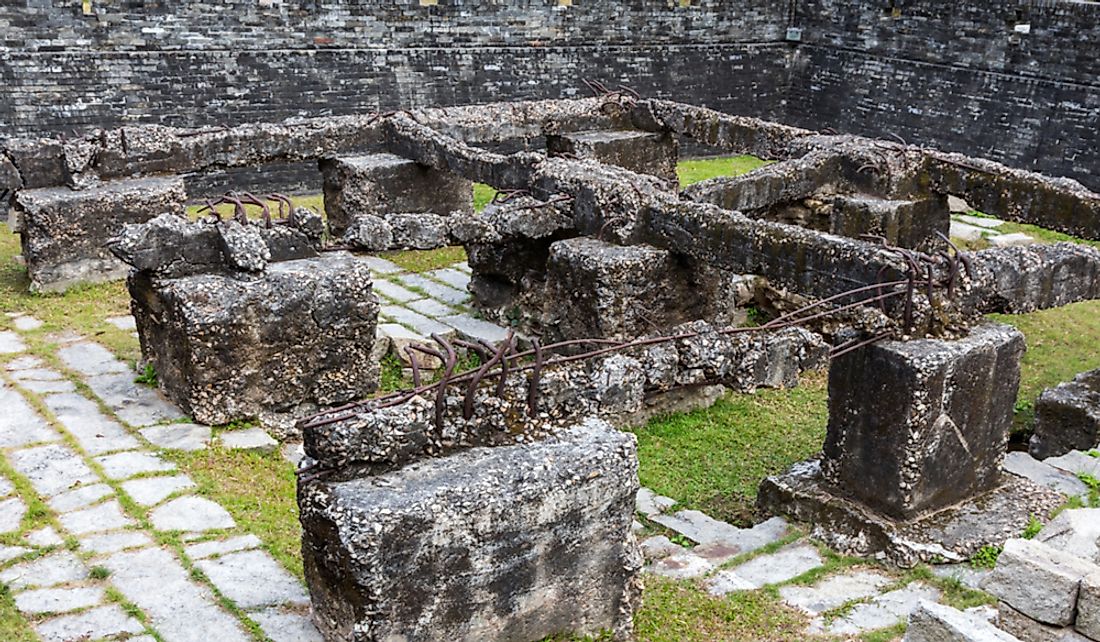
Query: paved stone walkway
(725, 559)
(131, 551)
(974, 228)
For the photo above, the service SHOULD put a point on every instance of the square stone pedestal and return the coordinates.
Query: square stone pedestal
(519, 542)
(381, 184)
(640, 152)
(273, 345)
(903, 223)
(916, 426)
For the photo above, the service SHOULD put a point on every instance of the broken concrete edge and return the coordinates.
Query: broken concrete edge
(512, 524)
(615, 387)
(1067, 417)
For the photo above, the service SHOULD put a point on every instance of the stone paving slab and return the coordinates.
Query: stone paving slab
(136, 404)
(681, 566)
(52, 469)
(192, 514)
(253, 579)
(40, 387)
(253, 439)
(964, 573)
(1024, 465)
(418, 322)
(989, 223)
(784, 565)
(395, 292)
(159, 585)
(58, 600)
(95, 432)
(380, 265)
(1075, 463)
(6, 487)
(476, 329)
(883, 611)
(127, 322)
(10, 343)
(835, 591)
(11, 514)
(20, 425)
(8, 553)
(58, 568)
(26, 362)
(150, 491)
(91, 359)
(130, 464)
(455, 278)
(651, 504)
(79, 497)
(287, 626)
(26, 324)
(105, 543)
(44, 537)
(434, 289)
(106, 621)
(431, 308)
(101, 517)
(703, 529)
(203, 550)
(188, 437)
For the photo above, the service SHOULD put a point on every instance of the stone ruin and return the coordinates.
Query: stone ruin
(621, 290)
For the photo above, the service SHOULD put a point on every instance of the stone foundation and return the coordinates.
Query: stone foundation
(518, 542)
(903, 223)
(64, 232)
(382, 184)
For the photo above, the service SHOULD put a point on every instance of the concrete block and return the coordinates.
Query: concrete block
(64, 232)
(640, 152)
(920, 425)
(932, 622)
(1067, 417)
(1088, 606)
(381, 184)
(1039, 581)
(515, 542)
(273, 346)
(910, 224)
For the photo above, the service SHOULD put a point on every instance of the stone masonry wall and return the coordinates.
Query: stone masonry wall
(957, 75)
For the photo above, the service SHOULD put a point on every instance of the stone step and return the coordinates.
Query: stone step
(1024, 465)
(932, 622)
(882, 612)
(774, 568)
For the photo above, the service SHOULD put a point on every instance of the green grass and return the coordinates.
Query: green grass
(13, 627)
(257, 490)
(694, 171)
(425, 260)
(713, 459)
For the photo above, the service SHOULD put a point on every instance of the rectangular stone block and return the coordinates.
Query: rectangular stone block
(381, 184)
(272, 346)
(932, 622)
(597, 289)
(1040, 582)
(920, 425)
(64, 232)
(641, 152)
(519, 542)
(1067, 417)
(1088, 606)
(910, 224)
(1028, 630)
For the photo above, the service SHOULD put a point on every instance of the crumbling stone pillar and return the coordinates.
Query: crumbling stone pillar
(516, 542)
(596, 289)
(641, 152)
(64, 232)
(383, 184)
(920, 425)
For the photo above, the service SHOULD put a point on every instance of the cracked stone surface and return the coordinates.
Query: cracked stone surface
(193, 514)
(150, 491)
(221, 547)
(785, 564)
(90, 359)
(44, 537)
(883, 611)
(126, 465)
(253, 579)
(106, 621)
(189, 437)
(95, 432)
(134, 403)
(79, 497)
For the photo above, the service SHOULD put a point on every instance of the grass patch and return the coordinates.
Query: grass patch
(426, 260)
(713, 459)
(679, 611)
(483, 194)
(13, 628)
(257, 490)
(694, 171)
